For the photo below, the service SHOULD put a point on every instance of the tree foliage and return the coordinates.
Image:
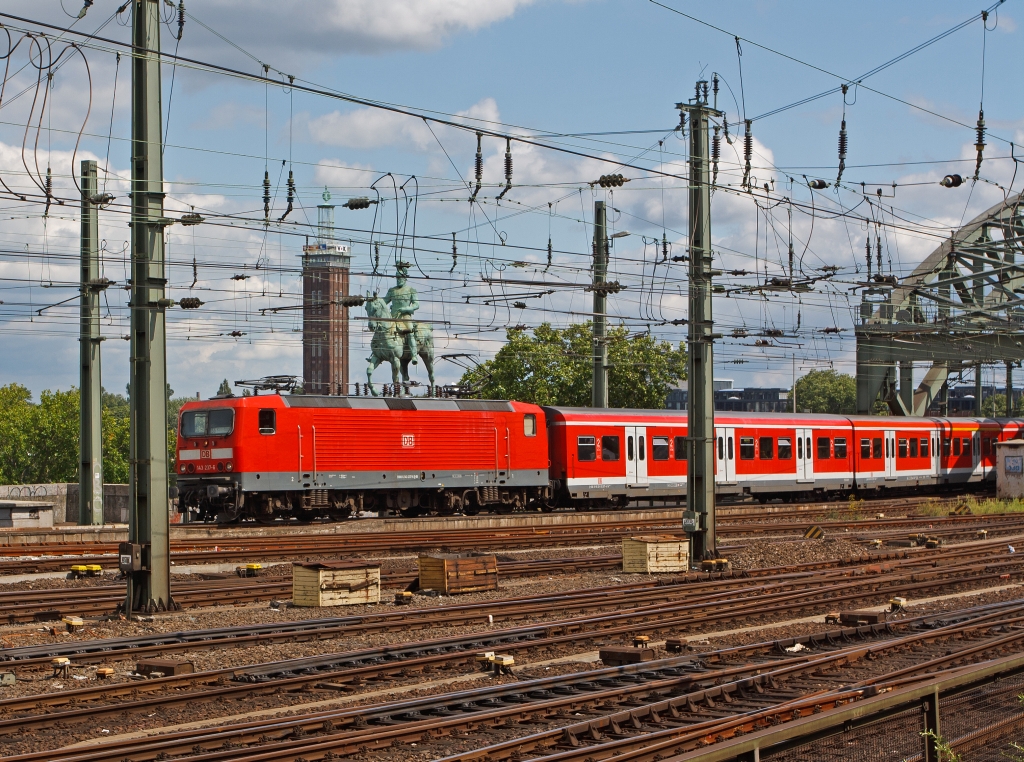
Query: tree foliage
(553, 367)
(39, 442)
(826, 391)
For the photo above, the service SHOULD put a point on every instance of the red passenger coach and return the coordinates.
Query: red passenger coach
(310, 456)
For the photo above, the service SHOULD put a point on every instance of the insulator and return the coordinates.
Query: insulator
(664, 248)
(696, 89)
(682, 120)
(842, 151)
(508, 167)
(376, 257)
(980, 142)
(190, 303)
(867, 246)
(479, 166)
(181, 17)
(817, 184)
(951, 181)
(714, 89)
(266, 194)
(49, 191)
(725, 130)
(611, 181)
(360, 202)
(291, 196)
(716, 151)
(455, 254)
(878, 254)
(748, 150)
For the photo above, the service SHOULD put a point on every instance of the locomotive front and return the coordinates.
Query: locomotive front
(209, 482)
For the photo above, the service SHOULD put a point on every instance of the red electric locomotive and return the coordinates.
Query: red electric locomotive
(308, 456)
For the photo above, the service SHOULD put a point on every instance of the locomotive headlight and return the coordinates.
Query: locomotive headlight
(191, 468)
(220, 466)
(182, 468)
(228, 466)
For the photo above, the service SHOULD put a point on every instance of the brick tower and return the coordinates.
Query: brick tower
(325, 274)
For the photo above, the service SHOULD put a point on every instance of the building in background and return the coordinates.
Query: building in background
(325, 282)
(751, 400)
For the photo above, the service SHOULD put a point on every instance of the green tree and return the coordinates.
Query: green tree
(224, 390)
(15, 415)
(826, 391)
(53, 437)
(553, 367)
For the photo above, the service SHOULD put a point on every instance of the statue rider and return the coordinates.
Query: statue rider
(402, 300)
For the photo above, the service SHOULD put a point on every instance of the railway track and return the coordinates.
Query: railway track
(673, 704)
(24, 605)
(206, 550)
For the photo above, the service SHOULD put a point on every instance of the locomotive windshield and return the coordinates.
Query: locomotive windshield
(218, 422)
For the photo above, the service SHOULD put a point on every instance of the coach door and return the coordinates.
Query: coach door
(976, 453)
(890, 454)
(636, 456)
(725, 455)
(804, 459)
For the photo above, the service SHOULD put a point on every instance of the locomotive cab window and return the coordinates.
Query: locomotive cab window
(824, 448)
(609, 448)
(530, 425)
(268, 421)
(659, 448)
(218, 422)
(586, 448)
(785, 448)
(680, 445)
(767, 448)
(746, 448)
(840, 448)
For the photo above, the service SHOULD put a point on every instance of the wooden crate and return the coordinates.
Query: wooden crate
(335, 583)
(450, 574)
(655, 553)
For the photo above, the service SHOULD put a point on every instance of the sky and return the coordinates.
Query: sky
(553, 71)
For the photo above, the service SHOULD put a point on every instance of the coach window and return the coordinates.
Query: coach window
(967, 445)
(530, 425)
(876, 447)
(721, 448)
(680, 445)
(903, 448)
(746, 448)
(641, 448)
(924, 447)
(268, 421)
(824, 448)
(945, 448)
(865, 449)
(586, 448)
(785, 448)
(629, 448)
(659, 448)
(840, 448)
(800, 447)
(767, 448)
(728, 447)
(609, 448)
(913, 448)
(956, 445)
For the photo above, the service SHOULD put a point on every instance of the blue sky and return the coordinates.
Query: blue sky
(551, 65)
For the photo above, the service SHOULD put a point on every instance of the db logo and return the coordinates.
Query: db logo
(205, 454)
(408, 440)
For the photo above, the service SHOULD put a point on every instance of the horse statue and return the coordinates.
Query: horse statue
(392, 343)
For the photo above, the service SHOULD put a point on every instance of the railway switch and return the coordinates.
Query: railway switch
(404, 598)
(249, 570)
(641, 641)
(104, 672)
(832, 618)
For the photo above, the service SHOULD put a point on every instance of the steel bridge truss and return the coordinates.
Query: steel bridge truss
(963, 307)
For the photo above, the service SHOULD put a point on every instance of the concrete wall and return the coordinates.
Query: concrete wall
(65, 500)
